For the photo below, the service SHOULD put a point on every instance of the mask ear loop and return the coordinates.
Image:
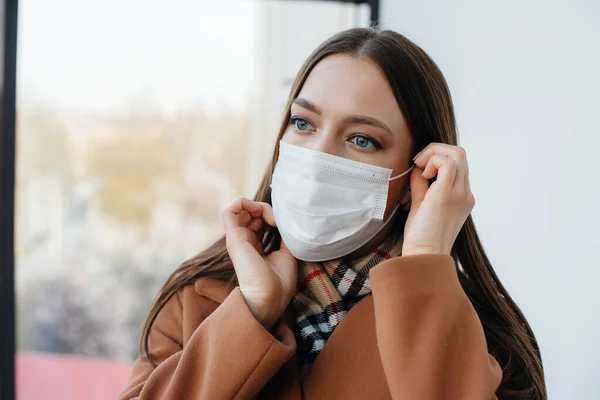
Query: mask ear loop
(402, 174)
(405, 207)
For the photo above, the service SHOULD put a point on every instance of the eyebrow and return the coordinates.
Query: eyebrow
(355, 119)
(307, 105)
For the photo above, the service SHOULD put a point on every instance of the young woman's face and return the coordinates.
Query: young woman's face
(346, 108)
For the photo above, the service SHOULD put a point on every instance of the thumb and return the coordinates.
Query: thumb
(418, 186)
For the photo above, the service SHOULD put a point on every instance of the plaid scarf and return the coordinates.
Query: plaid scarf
(326, 291)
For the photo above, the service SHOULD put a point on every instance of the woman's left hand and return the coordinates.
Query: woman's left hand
(437, 212)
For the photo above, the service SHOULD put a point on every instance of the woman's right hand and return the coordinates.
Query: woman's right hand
(267, 281)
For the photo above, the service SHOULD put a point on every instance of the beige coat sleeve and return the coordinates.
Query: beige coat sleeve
(208, 351)
(430, 339)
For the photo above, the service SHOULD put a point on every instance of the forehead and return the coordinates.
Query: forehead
(345, 84)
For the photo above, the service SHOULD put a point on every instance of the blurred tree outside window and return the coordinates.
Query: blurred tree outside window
(134, 130)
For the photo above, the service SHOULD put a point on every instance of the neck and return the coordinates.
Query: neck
(372, 244)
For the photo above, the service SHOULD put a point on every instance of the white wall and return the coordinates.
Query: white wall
(525, 78)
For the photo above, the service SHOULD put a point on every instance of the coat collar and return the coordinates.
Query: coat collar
(348, 366)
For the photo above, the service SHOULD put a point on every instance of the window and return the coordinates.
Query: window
(134, 129)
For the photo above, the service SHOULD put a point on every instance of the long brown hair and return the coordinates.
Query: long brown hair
(424, 98)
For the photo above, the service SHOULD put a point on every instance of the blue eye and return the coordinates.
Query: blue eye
(301, 124)
(365, 142)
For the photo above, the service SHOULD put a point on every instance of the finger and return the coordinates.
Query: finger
(267, 214)
(443, 167)
(261, 233)
(466, 181)
(255, 209)
(435, 148)
(255, 225)
(244, 218)
(229, 215)
(418, 187)
(456, 153)
(259, 209)
(259, 247)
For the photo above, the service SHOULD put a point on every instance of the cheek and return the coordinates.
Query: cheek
(286, 135)
(395, 192)
(291, 137)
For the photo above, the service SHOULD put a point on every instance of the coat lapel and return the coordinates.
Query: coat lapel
(348, 366)
(286, 384)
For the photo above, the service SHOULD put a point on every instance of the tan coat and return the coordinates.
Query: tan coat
(416, 337)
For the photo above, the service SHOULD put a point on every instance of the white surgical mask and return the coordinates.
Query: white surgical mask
(326, 206)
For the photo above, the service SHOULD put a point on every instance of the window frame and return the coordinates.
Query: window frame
(8, 44)
(374, 5)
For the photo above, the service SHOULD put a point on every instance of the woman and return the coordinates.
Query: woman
(356, 272)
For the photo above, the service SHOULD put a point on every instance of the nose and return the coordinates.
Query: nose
(326, 142)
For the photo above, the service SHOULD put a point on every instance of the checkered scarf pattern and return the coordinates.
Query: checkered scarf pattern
(326, 291)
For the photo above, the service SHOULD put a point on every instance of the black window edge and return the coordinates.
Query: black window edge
(374, 4)
(8, 13)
